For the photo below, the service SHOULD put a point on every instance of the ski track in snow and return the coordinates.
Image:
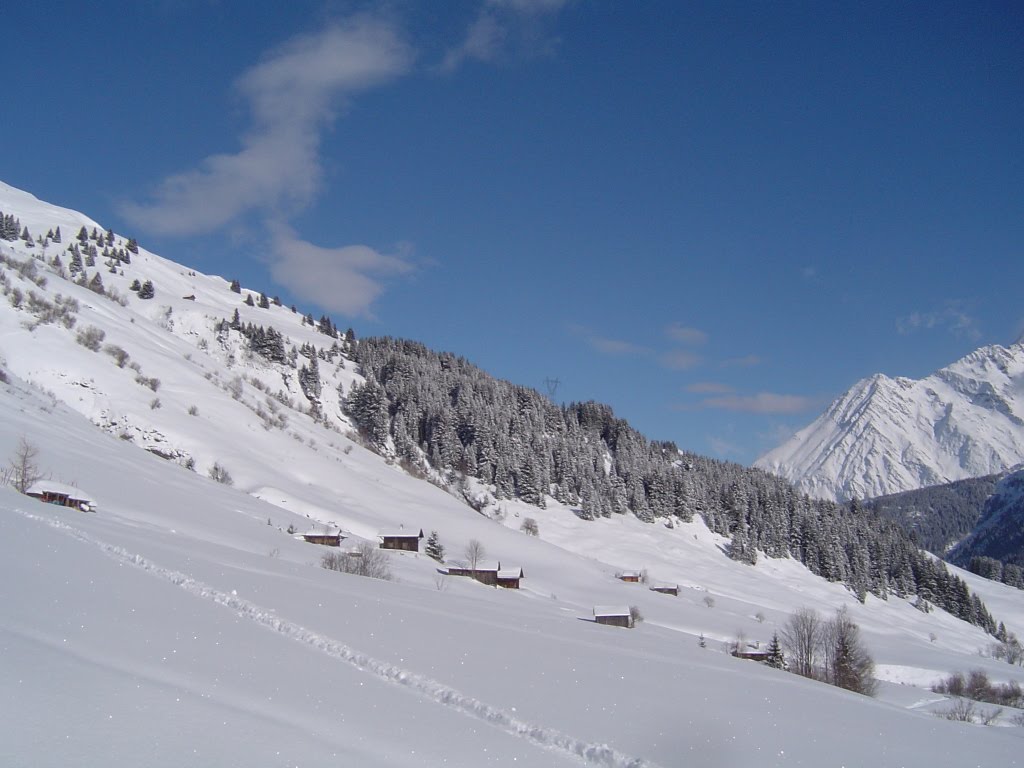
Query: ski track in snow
(547, 738)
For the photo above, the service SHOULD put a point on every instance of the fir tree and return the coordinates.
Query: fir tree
(147, 291)
(132, 246)
(236, 286)
(776, 658)
(434, 549)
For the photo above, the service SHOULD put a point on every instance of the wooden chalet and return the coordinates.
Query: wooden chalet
(751, 653)
(666, 589)
(509, 577)
(485, 572)
(632, 577)
(324, 538)
(614, 615)
(62, 495)
(408, 541)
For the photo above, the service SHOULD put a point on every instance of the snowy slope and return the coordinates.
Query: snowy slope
(888, 435)
(182, 625)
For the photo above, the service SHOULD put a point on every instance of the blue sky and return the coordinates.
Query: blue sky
(714, 217)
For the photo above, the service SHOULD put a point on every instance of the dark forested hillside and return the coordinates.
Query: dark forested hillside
(424, 406)
(940, 515)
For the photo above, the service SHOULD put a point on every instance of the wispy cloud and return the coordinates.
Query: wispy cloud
(952, 318)
(723, 448)
(607, 345)
(345, 279)
(679, 359)
(684, 335)
(504, 27)
(293, 95)
(709, 388)
(762, 402)
(745, 361)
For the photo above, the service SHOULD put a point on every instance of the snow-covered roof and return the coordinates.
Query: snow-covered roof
(49, 486)
(629, 574)
(332, 532)
(510, 573)
(416, 533)
(611, 610)
(483, 565)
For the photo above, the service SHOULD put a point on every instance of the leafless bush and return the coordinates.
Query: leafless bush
(119, 355)
(530, 527)
(155, 403)
(23, 468)
(962, 711)
(90, 337)
(193, 410)
(220, 474)
(146, 381)
(709, 601)
(802, 638)
(977, 686)
(364, 560)
(635, 616)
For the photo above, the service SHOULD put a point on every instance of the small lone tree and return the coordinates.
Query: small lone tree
(530, 527)
(475, 553)
(23, 470)
(434, 548)
(776, 658)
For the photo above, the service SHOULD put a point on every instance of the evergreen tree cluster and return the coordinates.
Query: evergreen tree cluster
(990, 568)
(437, 407)
(10, 227)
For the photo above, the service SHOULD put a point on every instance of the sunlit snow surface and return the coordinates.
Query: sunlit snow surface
(176, 627)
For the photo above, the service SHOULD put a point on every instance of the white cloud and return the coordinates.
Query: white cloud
(345, 279)
(952, 317)
(746, 361)
(684, 335)
(293, 94)
(709, 388)
(679, 360)
(500, 27)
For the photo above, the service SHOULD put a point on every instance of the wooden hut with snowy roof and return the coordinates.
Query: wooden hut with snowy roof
(631, 576)
(402, 539)
(327, 538)
(509, 577)
(614, 615)
(486, 571)
(666, 589)
(62, 495)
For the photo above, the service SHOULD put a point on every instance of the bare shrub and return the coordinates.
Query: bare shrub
(23, 467)
(709, 601)
(90, 337)
(962, 711)
(977, 686)
(119, 355)
(220, 474)
(152, 383)
(155, 403)
(365, 560)
(635, 617)
(530, 527)
(193, 410)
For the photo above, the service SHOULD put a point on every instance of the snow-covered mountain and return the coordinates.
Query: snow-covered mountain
(888, 435)
(182, 624)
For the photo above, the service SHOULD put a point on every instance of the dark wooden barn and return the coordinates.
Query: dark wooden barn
(631, 576)
(616, 616)
(485, 573)
(324, 538)
(666, 589)
(408, 541)
(509, 577)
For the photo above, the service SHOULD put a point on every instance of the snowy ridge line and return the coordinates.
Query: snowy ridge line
(547, 738)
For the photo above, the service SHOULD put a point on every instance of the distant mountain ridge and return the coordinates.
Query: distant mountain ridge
(887, 435)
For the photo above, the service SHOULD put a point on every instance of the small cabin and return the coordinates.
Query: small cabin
(750, 653)
(509, 577)
(632, 577)
(616, 616)
(485, 572)
(324, 538)
(409, 541)
(666, 589)
(62, 495)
